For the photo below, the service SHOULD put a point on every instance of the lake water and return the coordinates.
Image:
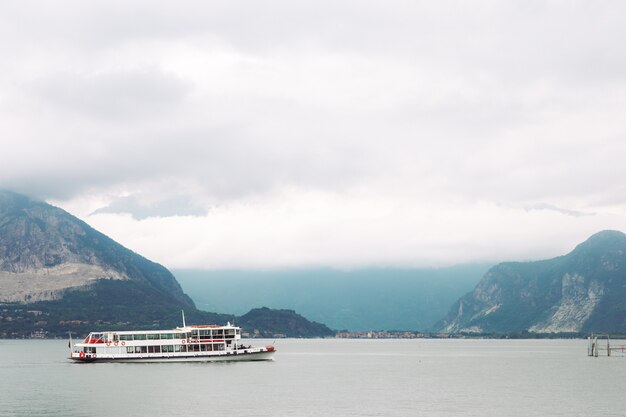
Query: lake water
(324, 378)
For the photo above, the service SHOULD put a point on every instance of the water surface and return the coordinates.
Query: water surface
(324, 378)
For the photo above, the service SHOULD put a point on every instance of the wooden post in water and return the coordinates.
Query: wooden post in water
(593, 348)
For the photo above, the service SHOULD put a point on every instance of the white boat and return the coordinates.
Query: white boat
(184, 344)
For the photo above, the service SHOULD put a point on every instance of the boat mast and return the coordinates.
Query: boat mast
(183, 311)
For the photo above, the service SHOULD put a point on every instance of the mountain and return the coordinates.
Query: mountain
(356, 300)
(45, 251)
(282, 322)
(583, 291)
(58, 274)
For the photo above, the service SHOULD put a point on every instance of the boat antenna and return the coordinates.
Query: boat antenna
(183, 311)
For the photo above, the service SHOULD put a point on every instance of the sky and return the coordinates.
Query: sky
(346, 134)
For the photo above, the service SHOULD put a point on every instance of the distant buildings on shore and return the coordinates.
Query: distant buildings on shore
(394, 334)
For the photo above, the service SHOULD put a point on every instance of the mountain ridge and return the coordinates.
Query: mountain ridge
(581, 291)
(59, 274)
(43, 241)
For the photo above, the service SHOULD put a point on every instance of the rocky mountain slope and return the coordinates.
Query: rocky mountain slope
(45, 251)
(58, 274)
(582, 291)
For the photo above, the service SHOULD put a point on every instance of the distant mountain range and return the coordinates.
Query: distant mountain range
(59, 274)
(583, 291)
(360, 299)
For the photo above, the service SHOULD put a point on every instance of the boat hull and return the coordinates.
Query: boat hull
(222, 357)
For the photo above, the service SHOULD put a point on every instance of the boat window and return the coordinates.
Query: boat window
(126, 337)
(176, 348)
(139, 337)
(141, 349)
(168, 348)
(183, 348)
(130, 349)
(153, 337)
(167, 336)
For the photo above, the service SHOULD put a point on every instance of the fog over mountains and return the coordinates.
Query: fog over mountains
(360, 299)
(59, 269)
(583, 291)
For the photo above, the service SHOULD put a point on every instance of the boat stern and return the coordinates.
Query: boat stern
(81, 356)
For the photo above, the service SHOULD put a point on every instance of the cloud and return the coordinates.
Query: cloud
(300, 228)
(545, 206)
(130, 95)
(141, 208)
(171, 112)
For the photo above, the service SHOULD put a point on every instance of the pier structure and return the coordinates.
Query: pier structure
(596, 346)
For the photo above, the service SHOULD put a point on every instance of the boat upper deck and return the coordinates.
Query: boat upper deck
(198, 333)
